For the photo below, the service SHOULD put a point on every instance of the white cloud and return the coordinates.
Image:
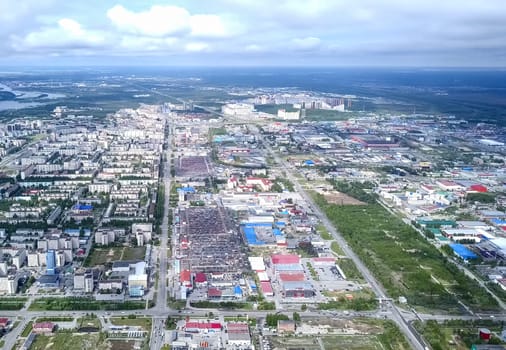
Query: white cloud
(308, 43)
(158, 21)
(163, 21)
(207, 26)
(196, 47)
(68, 34)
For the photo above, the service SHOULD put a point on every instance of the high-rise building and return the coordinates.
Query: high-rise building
(50, 262)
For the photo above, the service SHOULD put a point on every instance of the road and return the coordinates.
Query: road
(161, 300)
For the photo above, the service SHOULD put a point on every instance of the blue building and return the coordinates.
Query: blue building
(50, 262)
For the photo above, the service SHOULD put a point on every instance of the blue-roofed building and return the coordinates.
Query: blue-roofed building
(462, 252)
(308, 162)
(277, 232)
(82, 207)
(251, 237)
(136, 291)
(187, 189)
(50, 262)
(238, 291)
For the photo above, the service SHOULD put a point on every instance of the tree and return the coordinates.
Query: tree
(296, 317)
(303, 307)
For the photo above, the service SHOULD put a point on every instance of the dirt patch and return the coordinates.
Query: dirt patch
(339, 198)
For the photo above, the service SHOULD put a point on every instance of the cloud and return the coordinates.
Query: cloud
(196, 47)
(207, 26)
(162, 21)
(158, 21)
(67, 34)
(260, 30)
(308, 43)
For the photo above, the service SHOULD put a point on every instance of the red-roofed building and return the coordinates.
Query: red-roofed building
(185, 278)
(43, 327)
(266, 289)
(292, 277)
(477, 188)
(200, 279)
(196, 327)
(213, 293)
(448, 185)
(3, 322)
(285, 259)
(264, 184)
(324, 261)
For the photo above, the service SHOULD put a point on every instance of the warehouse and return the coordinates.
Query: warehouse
(462, 252)
(266, 289)
(257, 263)
(298, 290)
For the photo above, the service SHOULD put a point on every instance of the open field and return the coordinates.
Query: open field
(335, 197)
(357, 334)
(457, 334)
(143, 322)
(12, 303)
(101, 256)
(65, 341)
(403, 261)
(133, 253)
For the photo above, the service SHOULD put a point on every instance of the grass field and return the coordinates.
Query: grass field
(355, 342)
(88, 321)
(457, 334)
(102, 256)
(65, 341)
(403, 261)
(143, 322)
(133, 253)
(12, 303)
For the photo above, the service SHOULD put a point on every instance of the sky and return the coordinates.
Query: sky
(423, 33)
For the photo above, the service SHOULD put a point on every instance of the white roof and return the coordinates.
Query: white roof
(257, 263)
(262, 276)
(499, 242)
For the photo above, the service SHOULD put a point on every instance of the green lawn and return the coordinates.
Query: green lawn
(27, 330)
(134, 253)
(12, 303)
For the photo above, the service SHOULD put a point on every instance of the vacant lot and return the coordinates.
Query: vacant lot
(334, 197)
(133, 253)
(359, 334)
(143, 322)
(65, 341)
(102, 256)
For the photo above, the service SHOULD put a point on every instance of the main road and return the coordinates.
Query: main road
(161, 300)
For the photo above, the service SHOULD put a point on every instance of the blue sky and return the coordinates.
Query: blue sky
(254, 32)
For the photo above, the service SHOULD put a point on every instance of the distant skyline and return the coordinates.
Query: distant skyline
(447, 33)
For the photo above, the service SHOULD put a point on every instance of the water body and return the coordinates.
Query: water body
(37, 98)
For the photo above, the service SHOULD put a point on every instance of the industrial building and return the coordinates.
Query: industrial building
(297, 289)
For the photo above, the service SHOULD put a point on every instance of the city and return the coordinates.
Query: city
(252, 175)
(185, 225)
